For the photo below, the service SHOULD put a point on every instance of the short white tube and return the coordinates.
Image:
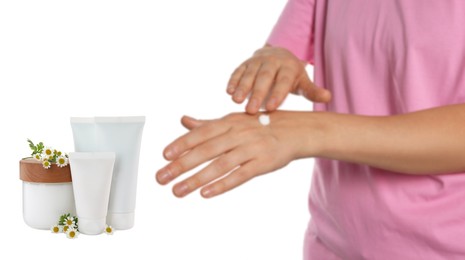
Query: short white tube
(123, 136)
(91, 173)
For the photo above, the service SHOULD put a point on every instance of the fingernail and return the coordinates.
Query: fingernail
(207, 193)
(189, 117)
(230, 89)
(164, 176)
(238, 95)
(169, 153)
(181, 190)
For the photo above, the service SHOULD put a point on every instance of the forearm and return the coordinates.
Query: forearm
(425, 142)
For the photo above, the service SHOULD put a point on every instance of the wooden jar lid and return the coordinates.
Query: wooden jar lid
(31, 170)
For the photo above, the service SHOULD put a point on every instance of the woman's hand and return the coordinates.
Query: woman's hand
(268, 76)
(238, 145)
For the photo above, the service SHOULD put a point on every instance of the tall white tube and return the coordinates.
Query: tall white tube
(92, 174)
(123, 136)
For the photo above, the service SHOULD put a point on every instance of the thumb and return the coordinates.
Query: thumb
(313, 93)
(191, 123)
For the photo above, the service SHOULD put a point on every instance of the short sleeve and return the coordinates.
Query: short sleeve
(294, 29)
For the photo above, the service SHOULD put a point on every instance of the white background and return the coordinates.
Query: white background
(161, 59)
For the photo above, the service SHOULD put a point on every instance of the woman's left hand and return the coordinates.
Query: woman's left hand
(238, 145)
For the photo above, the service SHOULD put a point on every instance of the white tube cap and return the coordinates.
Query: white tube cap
(121, 221)
(91, 226)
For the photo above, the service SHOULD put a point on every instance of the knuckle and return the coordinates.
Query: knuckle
(265, 73)
(194, 182)
(259, 94)
(249, 74)
(183, 145)
(284, 79)
(233, 80)
(293, 65)
(208, 129)
(273, 59)
(206, 150)
(279, 93)
(220, 165)
(245, 84)
(176, 168)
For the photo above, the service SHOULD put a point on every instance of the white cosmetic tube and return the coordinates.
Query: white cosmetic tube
(123, 136)
(92, 174)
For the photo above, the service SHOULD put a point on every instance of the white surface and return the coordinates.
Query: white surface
(161, 59)
(44, 203)
(92, 174)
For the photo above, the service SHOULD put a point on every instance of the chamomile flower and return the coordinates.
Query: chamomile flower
(46, 164)
(72, 233)
(48, 151)
(56, 229)
(70, 221)
(62, 161)
(58, 153)
(108, 230)
(66, 228)
(38, 157)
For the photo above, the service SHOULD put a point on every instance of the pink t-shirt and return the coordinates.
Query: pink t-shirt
(381, 57)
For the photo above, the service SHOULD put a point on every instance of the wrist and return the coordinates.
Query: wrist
(305, 133)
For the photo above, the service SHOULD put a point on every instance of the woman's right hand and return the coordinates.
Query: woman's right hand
(268, 76)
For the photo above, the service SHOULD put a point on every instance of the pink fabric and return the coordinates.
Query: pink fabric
(381, 57)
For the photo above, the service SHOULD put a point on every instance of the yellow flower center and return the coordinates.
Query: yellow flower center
(48, 152)
(108, 229)
(61, 161)
(72, 233)
(65, 228)
(69, 222)
(56, 229)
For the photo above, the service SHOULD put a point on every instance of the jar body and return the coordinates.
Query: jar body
(44, 203)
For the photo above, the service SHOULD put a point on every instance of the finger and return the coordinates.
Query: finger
(191, 123)
(264, 79)
(246, 82)
(285, 80)
(219, 167)
(195, 137)
(244, 173)
(195, 157)
(235, 78)
(311, 92)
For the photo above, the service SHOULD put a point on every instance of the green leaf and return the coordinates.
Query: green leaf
(40, 147)
(31, 144)
(62, 219)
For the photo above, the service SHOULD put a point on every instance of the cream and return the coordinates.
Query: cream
(123, 136)
(92, 174)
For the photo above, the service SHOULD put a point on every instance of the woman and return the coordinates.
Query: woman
(388, 129)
